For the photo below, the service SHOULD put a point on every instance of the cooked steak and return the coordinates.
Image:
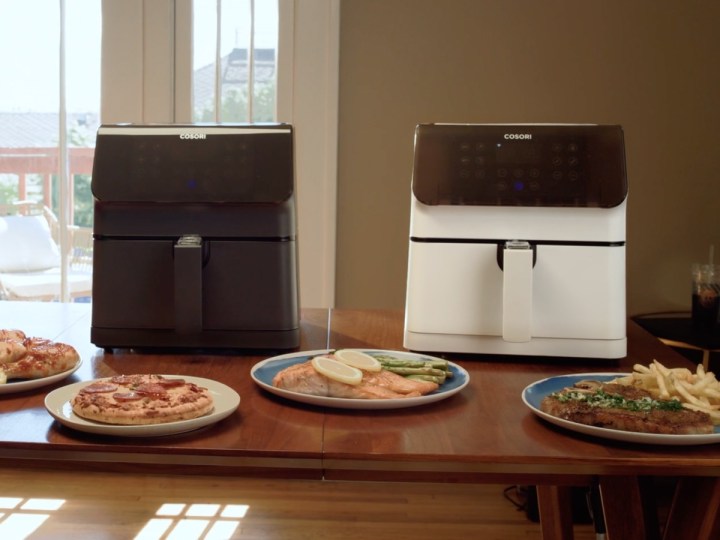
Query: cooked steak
(626, 408)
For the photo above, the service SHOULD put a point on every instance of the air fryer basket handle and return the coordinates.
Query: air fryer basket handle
(188, 259)
(517, 291)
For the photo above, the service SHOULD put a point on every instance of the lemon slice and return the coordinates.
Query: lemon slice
(358, 359)
(336, 370)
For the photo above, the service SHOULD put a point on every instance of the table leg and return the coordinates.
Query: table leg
(630, 511)
(555, 508)
(695, 510)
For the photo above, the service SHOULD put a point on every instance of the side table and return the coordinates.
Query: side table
(675, 329)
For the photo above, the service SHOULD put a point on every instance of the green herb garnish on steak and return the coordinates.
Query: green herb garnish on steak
(602, 399)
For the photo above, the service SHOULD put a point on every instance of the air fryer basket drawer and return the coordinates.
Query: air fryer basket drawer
(244, 284)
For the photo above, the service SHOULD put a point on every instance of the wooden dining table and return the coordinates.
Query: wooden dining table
(483, 434)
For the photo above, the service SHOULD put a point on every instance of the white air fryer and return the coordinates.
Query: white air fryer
(517, 241)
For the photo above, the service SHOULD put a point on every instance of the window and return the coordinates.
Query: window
(234, 52)
(49, 110)
(157, 57)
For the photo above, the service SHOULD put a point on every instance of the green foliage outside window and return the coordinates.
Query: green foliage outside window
(234, 107)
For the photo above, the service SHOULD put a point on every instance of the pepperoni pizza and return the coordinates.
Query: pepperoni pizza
(23, 357)
(141, 400)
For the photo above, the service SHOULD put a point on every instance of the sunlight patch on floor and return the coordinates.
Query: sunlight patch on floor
(22, 517)
(177, 521)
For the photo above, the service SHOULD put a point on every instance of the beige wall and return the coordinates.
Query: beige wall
(652, 66)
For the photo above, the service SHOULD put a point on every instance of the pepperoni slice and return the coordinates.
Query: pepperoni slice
(151, 390)
(127, 396)
(124, 379)
(171, 383)
(99, 388)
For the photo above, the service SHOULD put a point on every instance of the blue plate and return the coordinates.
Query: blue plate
(264, 372)
(533, 394)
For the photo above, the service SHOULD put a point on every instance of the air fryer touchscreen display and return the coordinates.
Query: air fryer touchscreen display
(236, 167)
(531, 165)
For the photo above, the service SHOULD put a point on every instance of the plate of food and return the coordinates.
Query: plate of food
(360, 378)
(142, 405)
(651, 405)
(27, 363)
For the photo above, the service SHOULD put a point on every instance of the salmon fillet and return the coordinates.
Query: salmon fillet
(303, 378)
(653, 420)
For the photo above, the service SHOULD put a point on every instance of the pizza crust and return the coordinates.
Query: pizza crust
(141, 400)
(11, 351)
(23, 357)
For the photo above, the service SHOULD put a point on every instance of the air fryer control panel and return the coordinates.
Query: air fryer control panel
(194, 163)
(519, 165)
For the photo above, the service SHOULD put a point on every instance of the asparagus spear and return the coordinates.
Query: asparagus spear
(392, 361)
(430, 378)
(434, 364)
(417, 371)
(425, 369)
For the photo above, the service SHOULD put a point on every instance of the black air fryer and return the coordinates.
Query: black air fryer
(195, 241)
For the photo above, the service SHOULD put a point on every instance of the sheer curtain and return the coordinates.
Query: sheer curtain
(49, 109)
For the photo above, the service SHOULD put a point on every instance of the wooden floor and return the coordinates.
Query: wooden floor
(54, 505)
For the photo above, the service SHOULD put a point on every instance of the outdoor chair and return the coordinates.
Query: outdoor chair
(30, 258)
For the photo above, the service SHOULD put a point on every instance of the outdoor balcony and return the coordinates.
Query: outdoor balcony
(33, 245)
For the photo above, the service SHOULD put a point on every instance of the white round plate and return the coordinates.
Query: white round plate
(21, 385)
(263, 373)
(58, 405)
(533, 394)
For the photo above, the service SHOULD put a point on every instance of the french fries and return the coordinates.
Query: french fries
(699, 391)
